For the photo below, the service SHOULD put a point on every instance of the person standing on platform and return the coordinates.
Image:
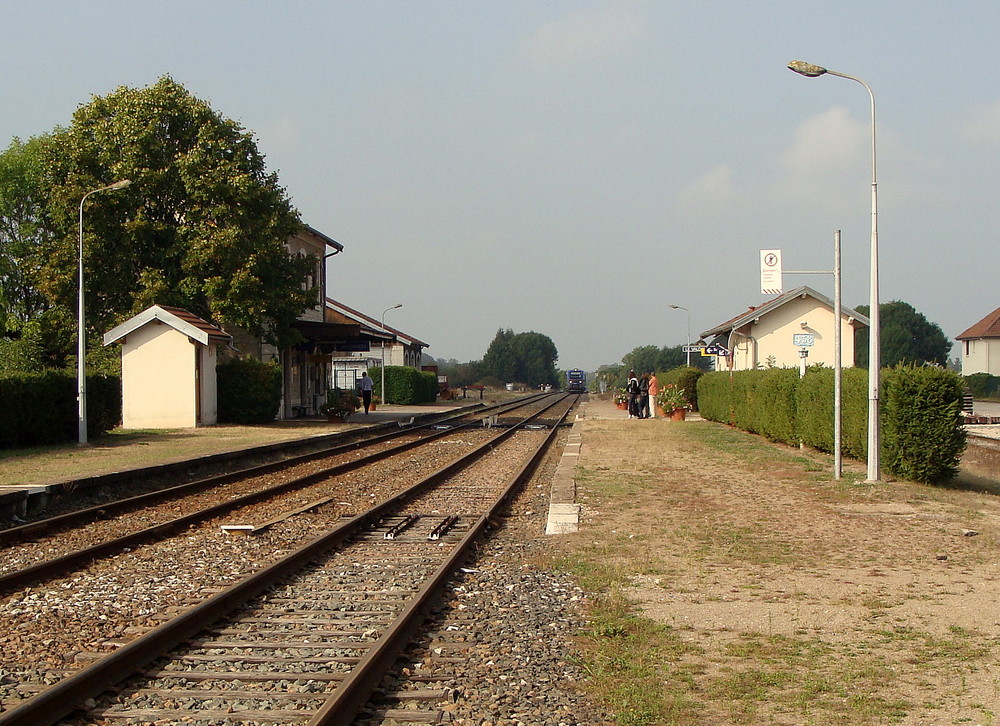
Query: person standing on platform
(367, 385)
(644, 396)
(654, 388)
(632, 388)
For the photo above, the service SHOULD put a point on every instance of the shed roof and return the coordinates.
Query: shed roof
(179, 319)
(988, 327)
(773, 304)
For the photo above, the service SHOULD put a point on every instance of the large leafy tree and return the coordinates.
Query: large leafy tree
(907, 337)
(523, 357)
(202, 225)
(23, 230)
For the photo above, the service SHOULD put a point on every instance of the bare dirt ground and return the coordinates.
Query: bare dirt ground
(805, 601)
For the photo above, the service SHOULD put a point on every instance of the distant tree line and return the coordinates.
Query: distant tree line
(523, 358)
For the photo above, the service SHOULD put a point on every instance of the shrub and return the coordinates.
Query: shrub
(41, 408)
(983, 385)
(920, 413)
(405, 385)
(922, 436)
(249, 391)
(340, 403)
(685, 378)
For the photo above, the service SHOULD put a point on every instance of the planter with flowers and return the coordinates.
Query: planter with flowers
(673, 402)
(621, 399)
(339, 406)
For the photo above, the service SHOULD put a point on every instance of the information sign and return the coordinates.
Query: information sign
(715, 350)
(803, 339)
(770, 272)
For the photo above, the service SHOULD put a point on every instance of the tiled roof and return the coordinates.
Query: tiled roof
(213, 331)
(988, 327)
(178, 318)
(776, 302)
(350, 312)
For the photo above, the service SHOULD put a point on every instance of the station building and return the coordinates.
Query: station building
(774, 333)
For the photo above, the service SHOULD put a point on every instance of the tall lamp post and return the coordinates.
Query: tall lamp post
(397, 305)
(681, 307)
(81, 335)
(874, 337)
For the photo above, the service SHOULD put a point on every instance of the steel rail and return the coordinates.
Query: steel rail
(355, 690)
(59, 700)
(102, 511)
(52, 568)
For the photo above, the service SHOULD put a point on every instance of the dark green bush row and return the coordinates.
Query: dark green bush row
(405, 385)
(920, 413)
(249, 391)
(41, 408)
(983, 385)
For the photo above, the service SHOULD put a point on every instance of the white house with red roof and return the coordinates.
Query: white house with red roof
(981, 346)
(775, 332)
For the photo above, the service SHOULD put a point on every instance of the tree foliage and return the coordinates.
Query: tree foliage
(528, 358)
(202, 226)
(652, 358)
(23, 230)
(907, 337)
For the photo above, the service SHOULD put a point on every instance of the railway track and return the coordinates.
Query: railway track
(47, 550)
(313, 632)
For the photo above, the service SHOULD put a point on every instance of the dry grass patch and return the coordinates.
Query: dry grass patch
(763, 592)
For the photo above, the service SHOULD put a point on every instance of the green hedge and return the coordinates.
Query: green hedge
(405, 385)
(249, 391)
(41, 408)
(920, 413)
(983, 385)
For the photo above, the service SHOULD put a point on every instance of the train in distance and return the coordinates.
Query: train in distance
(576, 381)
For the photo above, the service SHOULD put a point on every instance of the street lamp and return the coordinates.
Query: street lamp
(81, 335)
(874, 337)
(681, 307)
(397, 305)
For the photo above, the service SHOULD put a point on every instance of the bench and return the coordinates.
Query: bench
(473, 388)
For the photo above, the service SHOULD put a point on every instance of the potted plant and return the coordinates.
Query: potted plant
(621, 399)
(673, 402)
(340, 404)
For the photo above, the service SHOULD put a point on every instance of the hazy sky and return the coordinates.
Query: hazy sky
(573, 168)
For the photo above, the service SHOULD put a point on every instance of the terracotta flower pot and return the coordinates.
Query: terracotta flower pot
(334, 419)
(678, 414)
(622, 406)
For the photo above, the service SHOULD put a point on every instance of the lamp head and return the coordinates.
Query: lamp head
(120, 184)
(806, 69)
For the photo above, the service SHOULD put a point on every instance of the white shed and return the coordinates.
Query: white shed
(168, 368)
